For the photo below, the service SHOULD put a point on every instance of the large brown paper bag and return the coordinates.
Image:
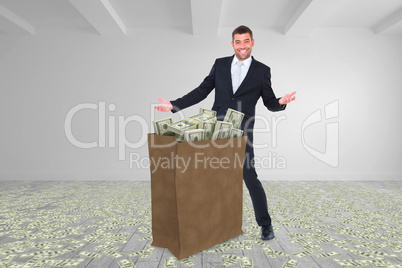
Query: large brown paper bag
(196, 192)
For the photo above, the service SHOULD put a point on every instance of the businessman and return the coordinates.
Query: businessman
(239, 82)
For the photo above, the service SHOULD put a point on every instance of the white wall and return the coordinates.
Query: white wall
(44, 76)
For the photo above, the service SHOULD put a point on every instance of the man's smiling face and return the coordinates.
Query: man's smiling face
(242, 45)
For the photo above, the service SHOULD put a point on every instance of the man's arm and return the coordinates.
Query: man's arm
(196, 95)
(270, 101)
(193, 97)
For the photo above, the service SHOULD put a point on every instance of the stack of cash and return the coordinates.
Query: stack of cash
(203, 126)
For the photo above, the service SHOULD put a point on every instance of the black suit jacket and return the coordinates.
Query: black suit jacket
(256, 84)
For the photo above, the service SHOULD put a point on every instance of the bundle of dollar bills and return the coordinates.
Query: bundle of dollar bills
(203, 126)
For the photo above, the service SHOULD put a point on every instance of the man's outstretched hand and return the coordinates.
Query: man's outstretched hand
(165, 106)
(287, 98)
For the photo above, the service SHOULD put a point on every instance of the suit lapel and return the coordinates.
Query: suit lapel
(229, 73)
(248, 76)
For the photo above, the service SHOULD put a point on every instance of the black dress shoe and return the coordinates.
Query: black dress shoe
(267, 233)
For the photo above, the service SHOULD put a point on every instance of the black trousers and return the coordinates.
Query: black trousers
(255, 188)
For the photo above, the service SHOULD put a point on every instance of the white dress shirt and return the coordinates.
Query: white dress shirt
(244, 69)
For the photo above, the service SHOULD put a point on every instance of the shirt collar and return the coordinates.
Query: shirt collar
(246, 62)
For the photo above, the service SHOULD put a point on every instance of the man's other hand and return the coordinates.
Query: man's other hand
(165, 106)
(287, 98)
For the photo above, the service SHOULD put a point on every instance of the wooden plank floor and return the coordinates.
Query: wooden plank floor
(108, 224)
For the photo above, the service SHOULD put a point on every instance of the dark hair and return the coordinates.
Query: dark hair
(242, 30)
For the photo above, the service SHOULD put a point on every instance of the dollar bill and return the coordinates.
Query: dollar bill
(202, 117)
(9, 257)
(194, 135)
(290, 263)
(113, 254)
(171, 263)
(248, 245)
(145, 229)
(280, 253)
(107, 247)
(353, 263)
(161, 126)
(269, 252)
(231, 257)
(33, 260)
(179, 138)
(126, 263)
(246, 263)
(383, 263)
(46, 263)
(145, 238)
(234, 117)
(148, 252)
(234, 133)
(12, 251)
(47, 253)
(382, 254)
(303, 254)
(70, 262)
(208, 112)
(62, 263)
(311, 247)
(47, 245)
(209, 127)
(229, 262)
(328, 254)
(188, 262)
(216, 250)
(89, 254)
(259, 242)
(362, 253)
(74, 247)
(222, 130)
(169, 133)
(136, 253)
(325, 240)
(179, 127)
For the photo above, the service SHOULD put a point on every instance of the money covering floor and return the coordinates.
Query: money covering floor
(107, 224)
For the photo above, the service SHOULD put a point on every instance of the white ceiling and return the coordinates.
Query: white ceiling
(117, 17)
